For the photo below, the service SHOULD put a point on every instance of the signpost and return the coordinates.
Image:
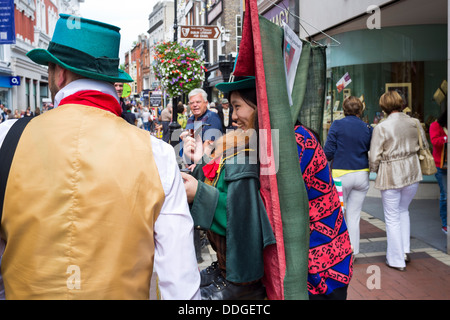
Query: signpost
(200, 32)
(156, 99)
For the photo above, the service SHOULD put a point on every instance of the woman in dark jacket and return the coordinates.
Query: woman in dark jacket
(224, 192)
(347, 146)
(248, 230)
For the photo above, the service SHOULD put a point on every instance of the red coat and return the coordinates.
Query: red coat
(438, 138)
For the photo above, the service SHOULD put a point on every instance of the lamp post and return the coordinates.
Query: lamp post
(174, 125)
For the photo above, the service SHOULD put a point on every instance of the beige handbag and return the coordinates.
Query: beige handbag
(427, 164)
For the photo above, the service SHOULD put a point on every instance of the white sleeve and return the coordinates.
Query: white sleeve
(4, 129)
(175, 258)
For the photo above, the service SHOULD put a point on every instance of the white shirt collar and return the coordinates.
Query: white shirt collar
(85, 84)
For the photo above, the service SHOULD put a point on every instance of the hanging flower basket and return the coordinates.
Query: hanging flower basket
(178, 68)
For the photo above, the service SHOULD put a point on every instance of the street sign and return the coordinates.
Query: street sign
(7, 22)
(200, 32)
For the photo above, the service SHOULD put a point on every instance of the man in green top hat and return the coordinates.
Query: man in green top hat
(80, 222)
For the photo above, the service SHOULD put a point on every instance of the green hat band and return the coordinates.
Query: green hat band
(73, 57)
(238, 83)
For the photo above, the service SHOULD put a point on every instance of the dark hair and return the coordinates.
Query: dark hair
(249, 96)
(180, 107)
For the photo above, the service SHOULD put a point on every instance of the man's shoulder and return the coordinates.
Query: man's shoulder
(212, 115)
(161, 149)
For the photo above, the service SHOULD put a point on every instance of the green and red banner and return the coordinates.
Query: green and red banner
(282, 186)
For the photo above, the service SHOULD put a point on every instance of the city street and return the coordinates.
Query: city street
(426, 275)
(95, 93)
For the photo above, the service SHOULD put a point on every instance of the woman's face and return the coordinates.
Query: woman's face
(243, 113)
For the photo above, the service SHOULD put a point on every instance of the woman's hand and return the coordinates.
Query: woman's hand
(190, 184)
(194, 148)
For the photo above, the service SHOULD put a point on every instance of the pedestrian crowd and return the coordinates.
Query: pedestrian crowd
(96, 228)
(6, 114)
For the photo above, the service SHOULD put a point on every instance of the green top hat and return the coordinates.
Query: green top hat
(238, 83)
(85, 47)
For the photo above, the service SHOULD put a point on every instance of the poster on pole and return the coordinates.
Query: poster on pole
(7, 26)
(292, 50)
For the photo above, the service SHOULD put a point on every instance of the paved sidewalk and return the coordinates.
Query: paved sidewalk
(426, 277)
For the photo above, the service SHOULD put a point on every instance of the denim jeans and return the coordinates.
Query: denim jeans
(441, 176)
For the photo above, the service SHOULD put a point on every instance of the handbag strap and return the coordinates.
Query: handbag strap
(420, 137)
(7, 154)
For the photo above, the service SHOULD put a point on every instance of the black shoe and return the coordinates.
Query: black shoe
(209, 274)
(221, 289)
(407, 258)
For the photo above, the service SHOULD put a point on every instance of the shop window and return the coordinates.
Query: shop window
(238, 32)
(416, 81)
(409, 59)
(27, 93)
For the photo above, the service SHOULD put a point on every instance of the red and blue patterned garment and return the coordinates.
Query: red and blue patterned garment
(330, 254)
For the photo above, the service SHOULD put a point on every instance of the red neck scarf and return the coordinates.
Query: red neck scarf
(210, 169)
(95, 99)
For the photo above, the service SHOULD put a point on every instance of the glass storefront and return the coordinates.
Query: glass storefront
(409, 59)
(5, 90)
(4, 96)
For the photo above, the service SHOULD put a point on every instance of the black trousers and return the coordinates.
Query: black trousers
(166, 131)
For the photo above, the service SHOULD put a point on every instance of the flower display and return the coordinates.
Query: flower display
(178, 68)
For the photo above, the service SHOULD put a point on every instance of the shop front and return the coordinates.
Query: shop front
(409, 59)
(5, 90)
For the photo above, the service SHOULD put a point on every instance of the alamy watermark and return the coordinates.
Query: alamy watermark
(73, 22)
(374, 280)
(374, 21)
(74, 279)
(263, 144)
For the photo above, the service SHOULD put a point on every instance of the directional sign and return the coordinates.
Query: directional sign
(7, 22)
(200, 32)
